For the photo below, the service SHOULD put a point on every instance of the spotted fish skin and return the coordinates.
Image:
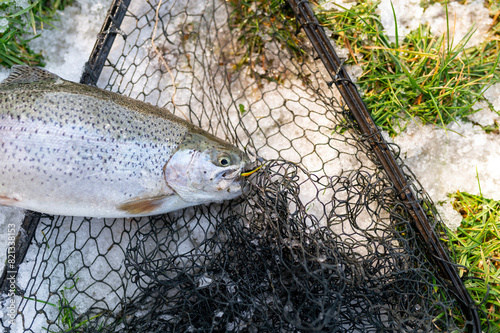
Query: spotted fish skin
(72, 149)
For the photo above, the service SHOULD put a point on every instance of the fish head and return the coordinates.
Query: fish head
(205, 169)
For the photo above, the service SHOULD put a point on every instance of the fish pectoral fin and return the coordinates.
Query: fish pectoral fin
(6, 201)
(144, 205)
(27, 74)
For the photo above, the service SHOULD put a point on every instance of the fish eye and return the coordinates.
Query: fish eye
(224, 160)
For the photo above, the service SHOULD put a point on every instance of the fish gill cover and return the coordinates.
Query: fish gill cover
(323, 241)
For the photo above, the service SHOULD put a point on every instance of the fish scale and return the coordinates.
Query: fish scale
(72, 149)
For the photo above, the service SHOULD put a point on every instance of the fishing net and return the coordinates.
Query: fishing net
(324, 240)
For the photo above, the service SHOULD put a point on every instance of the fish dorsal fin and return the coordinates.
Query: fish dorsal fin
(27, 74)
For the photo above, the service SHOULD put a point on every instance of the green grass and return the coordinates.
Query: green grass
(255, 23)
(24, 24)
(67, 317)
(421, 77)
(477, 247)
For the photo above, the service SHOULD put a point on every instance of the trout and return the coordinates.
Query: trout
(77, 150)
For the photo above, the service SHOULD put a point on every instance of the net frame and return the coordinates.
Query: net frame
(415, 205)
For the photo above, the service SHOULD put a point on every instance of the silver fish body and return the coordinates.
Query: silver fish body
(72, 149)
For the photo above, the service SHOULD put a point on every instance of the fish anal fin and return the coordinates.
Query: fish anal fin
(27, 74)
(143, 205)
(7, 201)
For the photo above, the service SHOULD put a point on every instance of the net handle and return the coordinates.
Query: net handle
(21, 244)
(104, 41)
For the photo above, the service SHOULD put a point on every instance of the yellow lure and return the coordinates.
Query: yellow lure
(246, 174)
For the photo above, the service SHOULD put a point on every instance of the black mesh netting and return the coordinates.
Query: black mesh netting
(320, 242)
